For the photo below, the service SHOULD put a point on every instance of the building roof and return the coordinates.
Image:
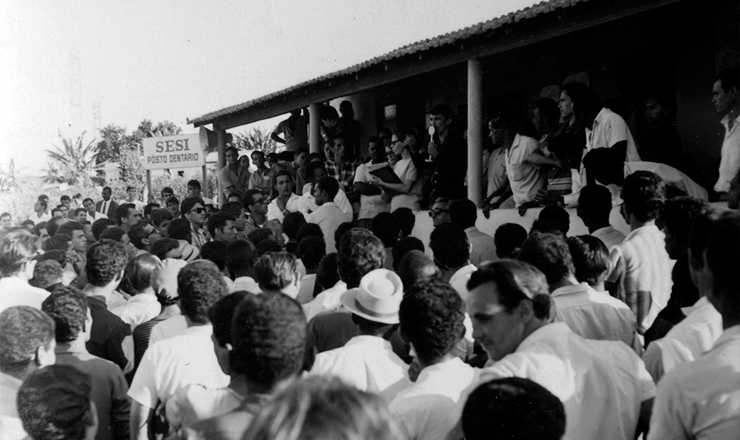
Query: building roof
(410, 49)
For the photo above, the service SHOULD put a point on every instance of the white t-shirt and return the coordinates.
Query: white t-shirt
(601, 383)
(328, 217)
(274, 213)
(525, 179)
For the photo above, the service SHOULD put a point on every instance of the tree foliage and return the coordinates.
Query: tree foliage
(255, 139)
(73, 163)
(8, 176)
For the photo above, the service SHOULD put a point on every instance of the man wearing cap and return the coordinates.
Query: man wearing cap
(367, 361)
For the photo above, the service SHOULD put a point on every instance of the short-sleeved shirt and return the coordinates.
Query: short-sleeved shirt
(370, 206)
(234, 180)
(496, 170)
(366, 362)
(609, 129)
(295, 134)
(328, 217)
(406, 170)
(601, 383)
(701, 399)
(274, 212)
(176, 362)
(430, 407)
(642, 270)
(729, 163)
(596, 315)
(525, 179)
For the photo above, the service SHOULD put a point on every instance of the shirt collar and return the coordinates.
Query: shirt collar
(463, 271)
(68, 349)
(700, 303)
(555, 330)
(567, 290)
(471, 229)
(367, 340)
(444, 369)
(205, 330)
(143, 298)
(642, 230)
(726, 121)
(604, 230)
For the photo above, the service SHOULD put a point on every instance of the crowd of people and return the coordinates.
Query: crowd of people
(306, 305)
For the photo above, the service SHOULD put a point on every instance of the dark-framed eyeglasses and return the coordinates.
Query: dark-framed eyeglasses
(436, 212)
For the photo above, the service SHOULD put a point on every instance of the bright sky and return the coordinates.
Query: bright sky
(170, 60)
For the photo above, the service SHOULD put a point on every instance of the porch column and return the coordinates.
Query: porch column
(221, 143)
(314, 131)
(475, 124)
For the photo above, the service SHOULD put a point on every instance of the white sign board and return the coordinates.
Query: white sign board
(181, 151)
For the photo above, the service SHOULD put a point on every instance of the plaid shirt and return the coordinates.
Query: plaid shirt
(343, 175)
(272, 225)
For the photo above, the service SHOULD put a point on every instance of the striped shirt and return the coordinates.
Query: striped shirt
(642, 271)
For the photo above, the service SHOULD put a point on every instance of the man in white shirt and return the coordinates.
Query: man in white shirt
(307, 203)
(464, 213)
(277, 272)
(286, 200)
(594, 207)
(371, 197)
(17, 249)
(367, 361)
(640, 267)
(132, 197)
(92, 214)
(39, 212)
(184, 359)
(726, 101)
(701, 399)
(328, 216)
(432, 315)
(606, 391)
(604, 128)
(590, 314)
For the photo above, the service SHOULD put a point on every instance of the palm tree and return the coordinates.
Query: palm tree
(72, 164)
(8, 176)
(255, 139)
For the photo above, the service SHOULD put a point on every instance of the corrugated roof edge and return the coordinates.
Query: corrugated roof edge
(543, 7)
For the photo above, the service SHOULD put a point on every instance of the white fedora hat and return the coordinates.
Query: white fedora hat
(378, 298)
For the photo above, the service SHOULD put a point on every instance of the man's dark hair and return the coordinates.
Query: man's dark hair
(595, 202)
(330, 185)
(44, 203)
(586, 102)
(77, 211)
(23, 330)
(70, 226)
(105, 261)
(65, 198)
(101, 225)
(60, 242)
(729, 78)
(311, 250)
(200, 285)
(53, 224)
(218, 221)
(386, 227)
(149, 208)
(300, 150)
(590, 258)
(292, 223)
(431, 316)
(115, 233)
(513, 408)
(180, 229)
(138, 272)
(309, 230)
(137, 233)
(359, 253)
(311, 168)
(16, 248)
(161, 215)
(723, 258)
(678, 214)
(416, 266)
(442, 109)
(38, 227)
(222, 313)
(548, 109)
(572, 88)
(554, 217)
(232, 148)
(54, 211)
(28, 224)
(161, 247)
(67, 306)
(55, 255)
(47, 274)
(248, 199)
(450, 245)
(172, 200)
(55, 403)
(188, 202)
(404, 246)
(605, 165)
(342, 229)
(407, 219)
(268, 335)
(515, 281)
(240, 256)
(233, 208)
(644, 195)
(194, 183)
(463, 213)
(269, 245)
(549, 253)
(259, 235)
(215, 251)
(326, 275)
(275, 270)
(122, 212)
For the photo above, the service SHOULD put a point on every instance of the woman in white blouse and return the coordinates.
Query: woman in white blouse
(406, 194)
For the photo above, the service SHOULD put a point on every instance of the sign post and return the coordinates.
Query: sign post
(181, 151)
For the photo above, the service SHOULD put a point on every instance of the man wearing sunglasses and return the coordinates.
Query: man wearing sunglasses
(194, 211)
(440, 212)
(256, 205)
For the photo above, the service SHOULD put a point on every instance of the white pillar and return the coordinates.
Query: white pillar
(221, 143)
(314, 131)
(475, 132)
